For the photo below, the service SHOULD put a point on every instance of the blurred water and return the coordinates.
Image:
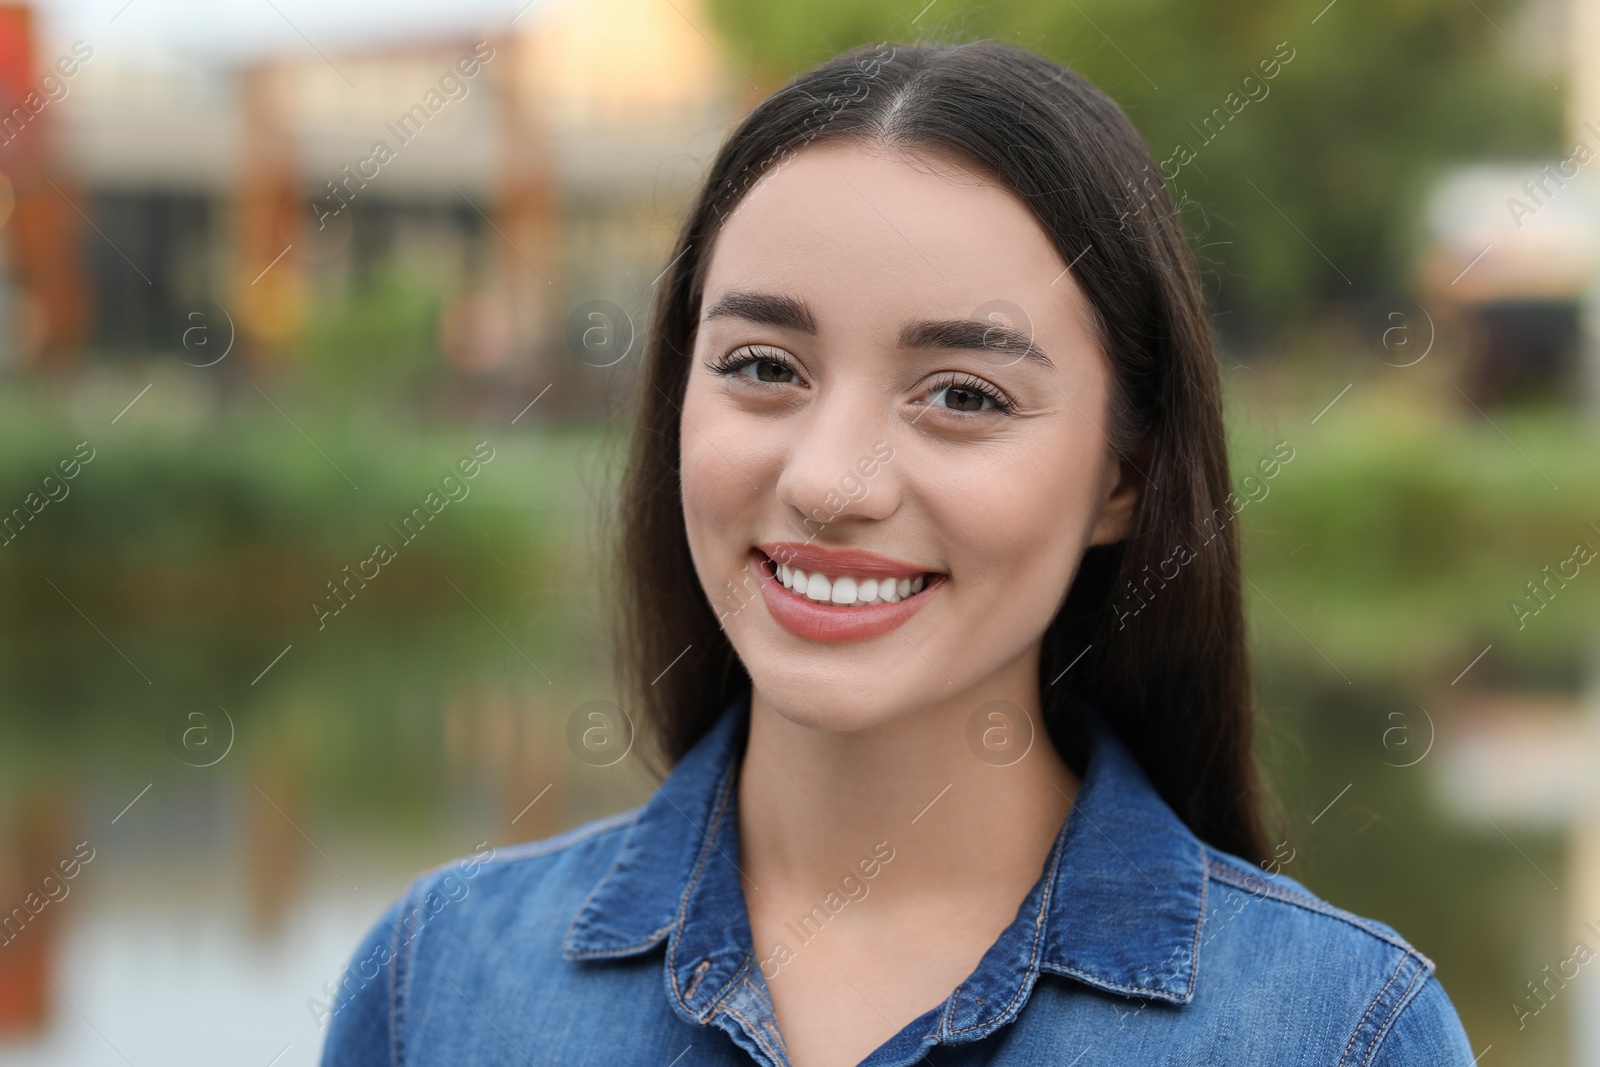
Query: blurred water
(174, 946)
(170, 975)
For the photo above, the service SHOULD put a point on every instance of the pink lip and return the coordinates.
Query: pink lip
(835, 623)
(830, 561)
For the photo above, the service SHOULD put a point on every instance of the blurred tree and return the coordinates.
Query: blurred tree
(1375, 101)
(376, 339)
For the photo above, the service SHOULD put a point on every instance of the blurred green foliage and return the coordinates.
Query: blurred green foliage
(184, 558)
(378, 338)
(1397, 538)
(1376, 102)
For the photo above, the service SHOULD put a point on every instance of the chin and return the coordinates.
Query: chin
(843, 687)
(842, 705)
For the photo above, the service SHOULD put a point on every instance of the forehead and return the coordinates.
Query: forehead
(861, 232)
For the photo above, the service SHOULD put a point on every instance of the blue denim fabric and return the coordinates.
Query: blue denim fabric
(627, 942)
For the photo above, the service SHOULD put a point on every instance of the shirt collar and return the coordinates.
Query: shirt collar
(1118, 905)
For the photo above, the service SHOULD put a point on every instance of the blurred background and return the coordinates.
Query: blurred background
(241, 345)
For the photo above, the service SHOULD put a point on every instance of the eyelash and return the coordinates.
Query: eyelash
(733, 362)
(967, 383)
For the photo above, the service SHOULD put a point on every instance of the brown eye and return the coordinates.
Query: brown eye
(959, 398)
(768, 371)
(963, 399)
(969, 395)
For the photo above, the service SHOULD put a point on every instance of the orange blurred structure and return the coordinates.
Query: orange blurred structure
(503, 171)
(268, 210)
(30, 843)
(43, 231)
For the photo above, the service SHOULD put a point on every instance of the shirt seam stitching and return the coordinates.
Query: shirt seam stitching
(721, 1004)
(1194, 958)
(395, 1019)
(1033, 958)
(567, 937)
(1227, 875)
(688, 891)
(1367, 1014)
(402, 972)
(622, 950)
(754, 1031)
(1199, 923)
(1106, 983)
(1400, 1005)
(781, 1047)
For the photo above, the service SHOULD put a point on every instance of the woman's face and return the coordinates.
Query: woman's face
(897, 401)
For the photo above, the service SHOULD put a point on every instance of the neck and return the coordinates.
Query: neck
(812, 803)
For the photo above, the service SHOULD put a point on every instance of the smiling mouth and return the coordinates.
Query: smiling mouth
(847, 590)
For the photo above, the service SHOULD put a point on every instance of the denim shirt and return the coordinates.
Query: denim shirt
(627, 942)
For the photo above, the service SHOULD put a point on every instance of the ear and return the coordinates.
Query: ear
(1124, 477)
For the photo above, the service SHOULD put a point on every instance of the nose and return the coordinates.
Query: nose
(838, 468)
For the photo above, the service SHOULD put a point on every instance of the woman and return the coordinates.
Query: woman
(933, 607)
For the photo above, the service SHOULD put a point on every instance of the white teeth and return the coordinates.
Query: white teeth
(847, 589)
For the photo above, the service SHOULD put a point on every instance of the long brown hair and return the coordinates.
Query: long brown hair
(1161, 654)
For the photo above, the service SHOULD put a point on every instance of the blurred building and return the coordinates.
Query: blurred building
(514, 170)
(1512, 250)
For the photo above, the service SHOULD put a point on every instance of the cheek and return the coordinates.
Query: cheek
(1017, 526)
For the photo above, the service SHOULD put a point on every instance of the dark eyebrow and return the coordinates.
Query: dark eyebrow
(768, 309)
(788, 313)
(973, 335)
